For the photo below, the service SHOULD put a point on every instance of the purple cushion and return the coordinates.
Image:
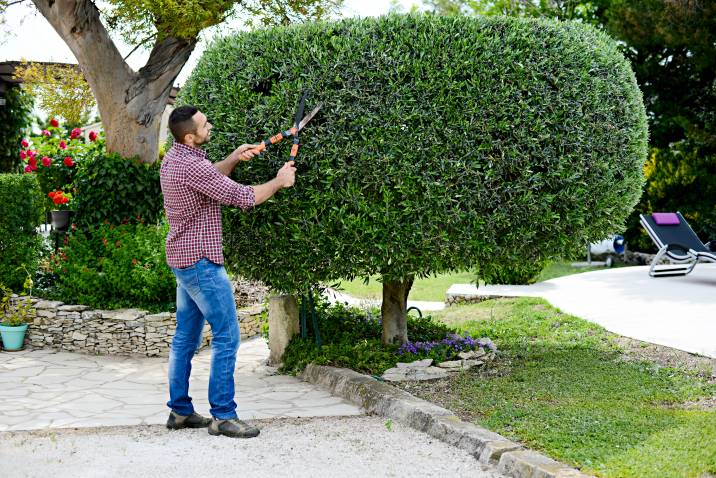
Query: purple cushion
(666, 218)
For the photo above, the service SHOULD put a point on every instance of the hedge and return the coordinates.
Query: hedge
(20, 244)
(444, 143)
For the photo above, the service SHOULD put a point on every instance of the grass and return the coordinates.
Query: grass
(562, 387)
(434, 288)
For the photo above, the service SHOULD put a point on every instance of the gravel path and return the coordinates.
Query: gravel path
(335, 446)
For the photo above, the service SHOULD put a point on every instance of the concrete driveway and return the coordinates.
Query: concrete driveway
(678, 312)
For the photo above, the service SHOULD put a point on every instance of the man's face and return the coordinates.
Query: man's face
(203, 129)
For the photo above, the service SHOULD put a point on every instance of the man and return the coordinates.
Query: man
(194, 190)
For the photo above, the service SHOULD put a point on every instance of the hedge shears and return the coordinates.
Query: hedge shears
(298, 123)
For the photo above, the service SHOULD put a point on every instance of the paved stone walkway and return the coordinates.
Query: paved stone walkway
(49, 389)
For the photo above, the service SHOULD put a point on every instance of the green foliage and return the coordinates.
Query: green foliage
(111, 188)
(443, 144)
(672, 47)
(679, 178)
(115, 266)
(16, 118)
(20, 245)
(352, 338)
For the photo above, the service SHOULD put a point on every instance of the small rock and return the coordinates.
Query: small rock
(417, 364)
(467, 364)
(451, 364)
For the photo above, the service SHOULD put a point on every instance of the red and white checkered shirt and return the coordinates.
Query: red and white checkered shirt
(193, 194)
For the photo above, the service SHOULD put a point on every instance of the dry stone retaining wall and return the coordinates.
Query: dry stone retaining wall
(77, 328)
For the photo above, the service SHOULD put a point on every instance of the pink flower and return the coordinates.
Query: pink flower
(63, 145)
(76, 133)
(68, 162)
(32, 162)
(46, 133)
(31, 154)
(46, 161)
(23, 155)
(54, 123)
(24, 143)
(93, 135)
(28, 169)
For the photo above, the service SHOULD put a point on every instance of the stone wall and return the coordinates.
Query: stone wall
(77, 328)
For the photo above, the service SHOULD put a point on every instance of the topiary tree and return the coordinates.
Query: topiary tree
(444, 144)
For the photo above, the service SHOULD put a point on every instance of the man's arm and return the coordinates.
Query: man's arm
(285, 178)
(242, 153)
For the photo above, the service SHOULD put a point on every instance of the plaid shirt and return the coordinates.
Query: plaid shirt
(193, 194)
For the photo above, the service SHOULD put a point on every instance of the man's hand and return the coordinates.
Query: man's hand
(287, 175)
(245, 151)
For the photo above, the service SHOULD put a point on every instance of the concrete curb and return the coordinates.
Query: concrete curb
(511, 458)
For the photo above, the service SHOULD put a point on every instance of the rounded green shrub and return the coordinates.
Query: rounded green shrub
(443, 144)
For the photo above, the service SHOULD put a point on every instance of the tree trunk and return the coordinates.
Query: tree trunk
(130, 103)
(394, 311)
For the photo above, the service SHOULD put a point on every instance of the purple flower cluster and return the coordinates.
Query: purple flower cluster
(452, 341)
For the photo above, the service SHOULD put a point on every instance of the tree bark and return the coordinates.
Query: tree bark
(394, 311)
(130, 103)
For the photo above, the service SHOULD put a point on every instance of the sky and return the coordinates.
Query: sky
(33, 39)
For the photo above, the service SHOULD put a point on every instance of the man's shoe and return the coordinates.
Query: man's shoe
(177, 422)
(233, 428)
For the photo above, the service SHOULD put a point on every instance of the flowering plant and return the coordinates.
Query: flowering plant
(446, 348)
(60, 199)
(54, 155)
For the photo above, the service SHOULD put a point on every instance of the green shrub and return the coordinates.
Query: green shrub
(443, 144)
(111, 188)
(351, 338)
(20, 245)
(680, 178)
(16, 119)
(111, 266)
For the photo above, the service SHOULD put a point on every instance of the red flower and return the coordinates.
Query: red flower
(32, 162)
(51, 194)
(76, 133)
(134, 262)
(46, 161)
(68, 162)
(54, 123)
(24, 143)
(64, 200)
(57, 199)
(23, 155)
(28, 169)
(63, 145)
(31, 153)
(46, 133)
(92, 136)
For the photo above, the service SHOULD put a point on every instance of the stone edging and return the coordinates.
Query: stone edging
(511, 458)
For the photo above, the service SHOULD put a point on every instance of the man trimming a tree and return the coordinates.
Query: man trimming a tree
(194, 191)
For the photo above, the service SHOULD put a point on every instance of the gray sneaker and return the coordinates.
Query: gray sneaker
(233, 428)
(177, 422)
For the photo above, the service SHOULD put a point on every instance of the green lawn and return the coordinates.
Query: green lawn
(434, 288)
(561, 387)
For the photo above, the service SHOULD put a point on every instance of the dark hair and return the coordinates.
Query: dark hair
(181, 123)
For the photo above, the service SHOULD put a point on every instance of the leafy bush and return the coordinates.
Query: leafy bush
(15, 118)
(53, 156)
(680, 178)
(351, 338)
(443, 144)
(115, 189)
(115, 266)
(20, 245)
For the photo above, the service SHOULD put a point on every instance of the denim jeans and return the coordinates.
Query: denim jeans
(204, 292)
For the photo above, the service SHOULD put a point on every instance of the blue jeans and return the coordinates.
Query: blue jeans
(204, 292)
